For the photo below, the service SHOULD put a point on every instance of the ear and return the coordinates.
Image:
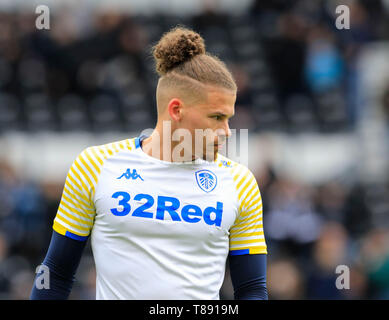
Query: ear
(175, 109)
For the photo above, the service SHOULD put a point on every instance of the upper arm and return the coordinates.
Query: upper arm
(248, 276)
(76, 212)
(62, 259)
(246, 234)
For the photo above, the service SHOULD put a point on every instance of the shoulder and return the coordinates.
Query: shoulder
(112, 148)
(91, 159)
(245, 183)
(99, 153)
(236, 169)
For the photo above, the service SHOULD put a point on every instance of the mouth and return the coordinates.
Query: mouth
(216, 145)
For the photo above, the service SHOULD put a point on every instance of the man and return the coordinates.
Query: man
(164, 214)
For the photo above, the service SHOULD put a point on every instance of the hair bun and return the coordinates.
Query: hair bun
(175, 47)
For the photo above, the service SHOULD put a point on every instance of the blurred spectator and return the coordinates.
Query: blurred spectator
(286, 54)
(385, 105)
(291, 223)
(324, 64)
(358, 284)
(285, 281)
(357, 213)
(374, 257)
(329, 251)
(242, 79)
(243, 118)
(4, 277)
(363, 17)
(21, 285)
(330, 202)
(210, 16)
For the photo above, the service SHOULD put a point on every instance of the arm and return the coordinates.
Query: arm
(62, 259)
(72, 226)
(248, 275)
(248, 248)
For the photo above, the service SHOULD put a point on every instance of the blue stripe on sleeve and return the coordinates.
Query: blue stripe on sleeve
(239, 252)
(75, 236)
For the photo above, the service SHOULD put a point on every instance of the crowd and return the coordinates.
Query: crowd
(295, 72)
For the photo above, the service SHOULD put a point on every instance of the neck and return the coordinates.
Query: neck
(160, 145)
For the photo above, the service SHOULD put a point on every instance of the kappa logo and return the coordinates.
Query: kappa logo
(131, 175)
(206, 180)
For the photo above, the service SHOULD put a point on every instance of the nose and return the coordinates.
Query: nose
(227, 129)
(224, 131)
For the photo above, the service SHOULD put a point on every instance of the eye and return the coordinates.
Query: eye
(217, 117)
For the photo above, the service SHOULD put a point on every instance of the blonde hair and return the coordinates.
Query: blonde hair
(183, 63)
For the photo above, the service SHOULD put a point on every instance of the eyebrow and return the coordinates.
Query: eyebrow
(218, 113)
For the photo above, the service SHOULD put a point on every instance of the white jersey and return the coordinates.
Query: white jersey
(159, 230)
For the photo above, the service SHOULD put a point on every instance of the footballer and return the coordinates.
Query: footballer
(162, 224)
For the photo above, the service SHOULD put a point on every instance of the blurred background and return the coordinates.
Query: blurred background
(314, 98)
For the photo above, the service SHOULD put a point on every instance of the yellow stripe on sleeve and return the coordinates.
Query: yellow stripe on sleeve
(243, 235)
(247, 230)
(246, 241)
(246, 187)
(244, 178)
(97, 157)
(238, 174)
(242, 201)
(61, 227)
(78, 181)
(248, 225)
(115, 148)
(79, 215)
(92, 162)
(258, 250)
(75, 191)
(249, 203)
(84, 173)
(76, 210)
(69, 191)
(74, 225)
(77, 205)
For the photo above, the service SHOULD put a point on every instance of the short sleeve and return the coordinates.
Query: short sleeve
(247, 234)
(76, 211)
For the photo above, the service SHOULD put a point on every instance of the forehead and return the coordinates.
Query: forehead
(219, 99)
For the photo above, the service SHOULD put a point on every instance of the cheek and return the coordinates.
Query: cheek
(197, 122)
